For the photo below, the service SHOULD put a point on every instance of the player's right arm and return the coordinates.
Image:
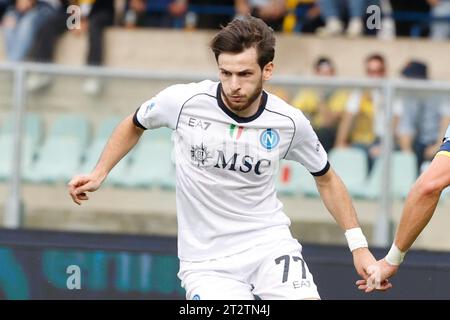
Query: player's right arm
(122, 140)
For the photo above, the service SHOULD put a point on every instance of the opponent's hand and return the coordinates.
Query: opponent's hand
(380, 272)
(81, 184)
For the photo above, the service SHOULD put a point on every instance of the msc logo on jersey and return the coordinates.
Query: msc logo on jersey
(269, 139)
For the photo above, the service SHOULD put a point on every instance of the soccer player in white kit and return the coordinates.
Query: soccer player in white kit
(234, 240)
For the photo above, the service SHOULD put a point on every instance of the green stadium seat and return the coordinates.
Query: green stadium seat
(6, 146)
(95, 149)
(71, 126)
(119, 174)
(403, 175)
(58, 160)
(351, 166)
(160, 135)
(107, 127)
(60, 156)
(308, 185)
(152, 166)
(287, 180)
(32, 127)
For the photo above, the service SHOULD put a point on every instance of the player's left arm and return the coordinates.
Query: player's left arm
(338, 202)
(307, 150)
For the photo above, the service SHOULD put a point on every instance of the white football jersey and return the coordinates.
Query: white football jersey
(225, 191)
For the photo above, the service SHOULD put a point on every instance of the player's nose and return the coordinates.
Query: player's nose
(235, 84)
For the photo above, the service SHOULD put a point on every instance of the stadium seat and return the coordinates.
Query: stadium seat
(60, 156)
(58, 160)
(71, 126)
(293, 179)
(6, 147)
(160, 135)
(286, 180)
(119, 174)
(149, 164)
(403, 175)
(107, 127)
(32, 134)
(351, 165)
(95, 149)
(32, 127)
(308, 185)
(152, 166)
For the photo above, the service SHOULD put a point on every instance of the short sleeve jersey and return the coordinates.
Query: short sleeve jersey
(226, 197)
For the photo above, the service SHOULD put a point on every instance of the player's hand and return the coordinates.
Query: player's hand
(379, 272)
(81, 184)
(362, 259)
(367, 268)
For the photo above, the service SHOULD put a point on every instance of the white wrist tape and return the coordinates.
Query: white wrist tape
(395, 256)
(356, 239)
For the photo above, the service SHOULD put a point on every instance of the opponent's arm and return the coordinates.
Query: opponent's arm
(422, 201)
(417, 212)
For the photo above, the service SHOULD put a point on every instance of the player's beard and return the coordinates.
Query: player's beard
(246, 102)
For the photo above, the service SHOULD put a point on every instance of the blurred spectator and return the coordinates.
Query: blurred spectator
(96, 15)
(440, 30)
(3, 5)
(323, 107)
(424, 120)
(334, 11)
(271, 11)
(405, 23)
(362, 124)
(205, 20)
(154, 13)
(302, 16)
(20, 24)
(387, 30)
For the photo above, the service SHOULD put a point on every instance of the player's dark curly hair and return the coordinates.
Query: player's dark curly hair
(244, 33)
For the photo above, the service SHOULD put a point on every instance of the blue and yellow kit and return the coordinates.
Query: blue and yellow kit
(445, 148)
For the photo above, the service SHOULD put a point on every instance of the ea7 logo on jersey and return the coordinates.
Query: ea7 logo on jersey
(196, 123)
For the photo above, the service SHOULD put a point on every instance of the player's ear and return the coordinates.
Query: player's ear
(267, 71)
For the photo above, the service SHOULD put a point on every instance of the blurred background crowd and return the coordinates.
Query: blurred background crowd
(341, 117)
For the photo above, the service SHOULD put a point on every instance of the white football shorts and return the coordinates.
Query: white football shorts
(271, 271)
